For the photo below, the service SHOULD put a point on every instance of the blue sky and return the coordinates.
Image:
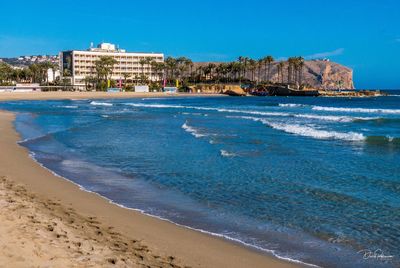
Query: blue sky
(364, 35)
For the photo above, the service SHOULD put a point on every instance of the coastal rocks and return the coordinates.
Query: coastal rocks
(232, 90)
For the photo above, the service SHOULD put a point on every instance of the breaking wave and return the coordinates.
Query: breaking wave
(308, 131)
(194, 131)
(356, 110)
(69, 106)
(379, 120)
(334, 118)
(100, 103)
(223, 110)
(225, 153)
(326, 117)
(291, 105)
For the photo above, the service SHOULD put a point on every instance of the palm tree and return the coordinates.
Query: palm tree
(104, 67)
(281, 66)
(199, 72)
(183, 65)
(87, 81)
(242, 64)
(190, 63)
(34, 69)
(126, 77)
(300, 61)
(260, 62)
(291, 69)
(142, 62)
(171, 65)
(223, 67)
(269, 60)
(158, 68)
(252, 66)
(16, 74)
(5, 72)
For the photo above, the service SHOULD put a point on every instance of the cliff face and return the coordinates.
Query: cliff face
(328, 75)
(316, 73)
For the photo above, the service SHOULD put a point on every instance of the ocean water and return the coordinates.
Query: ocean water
(313, 180)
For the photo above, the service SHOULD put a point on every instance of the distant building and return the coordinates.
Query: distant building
(52, 75)
(76, 65)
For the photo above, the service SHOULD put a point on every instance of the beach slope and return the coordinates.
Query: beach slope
(49, 221)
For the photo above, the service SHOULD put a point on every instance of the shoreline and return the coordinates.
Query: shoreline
(75, 95)
(195, 248)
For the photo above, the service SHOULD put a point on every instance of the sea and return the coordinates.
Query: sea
(314, 181)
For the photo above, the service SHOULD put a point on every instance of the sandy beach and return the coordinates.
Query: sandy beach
(48, 221)
(54, 95)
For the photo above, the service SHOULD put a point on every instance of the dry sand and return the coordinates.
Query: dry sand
(47, 221)
(4, 96)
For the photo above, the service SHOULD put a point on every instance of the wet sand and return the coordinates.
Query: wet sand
(49, 221)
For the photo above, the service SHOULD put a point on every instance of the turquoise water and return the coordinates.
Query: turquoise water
(315, 180)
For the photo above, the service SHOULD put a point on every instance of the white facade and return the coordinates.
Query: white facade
(142, 89)
(52, 75)
(81, 64)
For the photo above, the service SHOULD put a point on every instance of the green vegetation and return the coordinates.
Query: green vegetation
(174, 71)
(244, 70)
(184, 72)
(35, 73)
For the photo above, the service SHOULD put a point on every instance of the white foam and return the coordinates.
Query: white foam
(333, 118)
(326, 117)
(69, 106)
(225, 153)
(278, 114)
(192, 114)
(100, 103)
(291, 105)
(221, 110)
(154, 105)
(309, 131)
(192, 130)
(356, 110)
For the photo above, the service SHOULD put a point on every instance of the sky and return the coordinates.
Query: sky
(361, 34)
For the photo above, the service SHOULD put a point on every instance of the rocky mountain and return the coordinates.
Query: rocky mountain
(328, 75)
(320, 74)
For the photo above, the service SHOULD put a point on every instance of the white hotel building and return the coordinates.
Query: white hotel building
(76, 65)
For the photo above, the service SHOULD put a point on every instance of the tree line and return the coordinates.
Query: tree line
(183, 69)
(35, 73)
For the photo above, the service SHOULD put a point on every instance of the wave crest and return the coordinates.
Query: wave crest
(291, 105)
(225, 153)
(356, 110)
(95, 103)
(308, 131)
(195, 132)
